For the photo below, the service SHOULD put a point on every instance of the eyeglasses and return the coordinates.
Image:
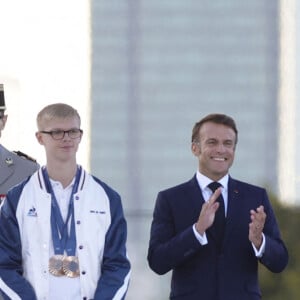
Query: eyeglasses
(60, 134)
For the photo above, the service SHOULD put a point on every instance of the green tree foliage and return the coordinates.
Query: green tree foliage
(286, 285)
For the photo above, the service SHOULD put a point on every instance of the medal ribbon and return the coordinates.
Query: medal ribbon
(62, 241)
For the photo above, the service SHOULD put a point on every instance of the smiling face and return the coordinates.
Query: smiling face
(215, 149)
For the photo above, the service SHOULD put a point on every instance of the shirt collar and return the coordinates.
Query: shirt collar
(203, 181)
(57, 184)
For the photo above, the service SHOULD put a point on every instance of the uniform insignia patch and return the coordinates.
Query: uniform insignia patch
(9, 161)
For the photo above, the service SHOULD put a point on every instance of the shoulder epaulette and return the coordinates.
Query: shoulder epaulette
(23, 155)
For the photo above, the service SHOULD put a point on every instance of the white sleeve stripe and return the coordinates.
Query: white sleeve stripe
(8, 291)
(122, 290)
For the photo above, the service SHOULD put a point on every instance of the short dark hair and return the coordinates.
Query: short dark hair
(214, 118)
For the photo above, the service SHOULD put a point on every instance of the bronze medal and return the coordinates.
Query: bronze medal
(71, 266)
(56, 265)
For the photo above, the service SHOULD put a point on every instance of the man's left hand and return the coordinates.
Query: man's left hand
(258, 218)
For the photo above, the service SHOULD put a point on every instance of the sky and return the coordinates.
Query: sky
(44, 58)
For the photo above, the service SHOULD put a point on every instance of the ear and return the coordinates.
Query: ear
(195, 149)
(4, 119)
(39, 137)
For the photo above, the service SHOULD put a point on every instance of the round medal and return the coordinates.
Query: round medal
(56, 265)
(71, 266)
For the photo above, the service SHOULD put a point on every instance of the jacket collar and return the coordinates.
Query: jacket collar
(42, 183)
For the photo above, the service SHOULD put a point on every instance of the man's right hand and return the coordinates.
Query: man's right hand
(208, 211)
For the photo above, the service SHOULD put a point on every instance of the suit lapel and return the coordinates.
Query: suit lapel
(233, 198)
(195, 195)
(234, 208)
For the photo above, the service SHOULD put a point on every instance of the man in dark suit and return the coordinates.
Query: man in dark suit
(213, 241)
(14, 166)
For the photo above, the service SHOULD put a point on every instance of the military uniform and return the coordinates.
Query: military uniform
(14, 166)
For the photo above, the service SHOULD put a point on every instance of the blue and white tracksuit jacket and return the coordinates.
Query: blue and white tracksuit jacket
(25, 238)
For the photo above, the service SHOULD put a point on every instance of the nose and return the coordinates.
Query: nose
(66, 136)
(220, 148)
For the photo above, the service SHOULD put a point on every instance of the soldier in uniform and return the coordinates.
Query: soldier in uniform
(14, 166)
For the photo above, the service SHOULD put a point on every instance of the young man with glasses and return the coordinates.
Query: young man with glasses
(15, 166)
(65, 231)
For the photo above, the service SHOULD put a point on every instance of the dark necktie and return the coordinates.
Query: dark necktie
(219, 222)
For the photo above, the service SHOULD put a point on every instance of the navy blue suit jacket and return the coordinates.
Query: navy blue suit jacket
(201, 272)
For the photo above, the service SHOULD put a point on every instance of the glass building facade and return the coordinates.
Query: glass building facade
(157, 68)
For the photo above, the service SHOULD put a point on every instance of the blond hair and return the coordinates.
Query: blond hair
(56, 110)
